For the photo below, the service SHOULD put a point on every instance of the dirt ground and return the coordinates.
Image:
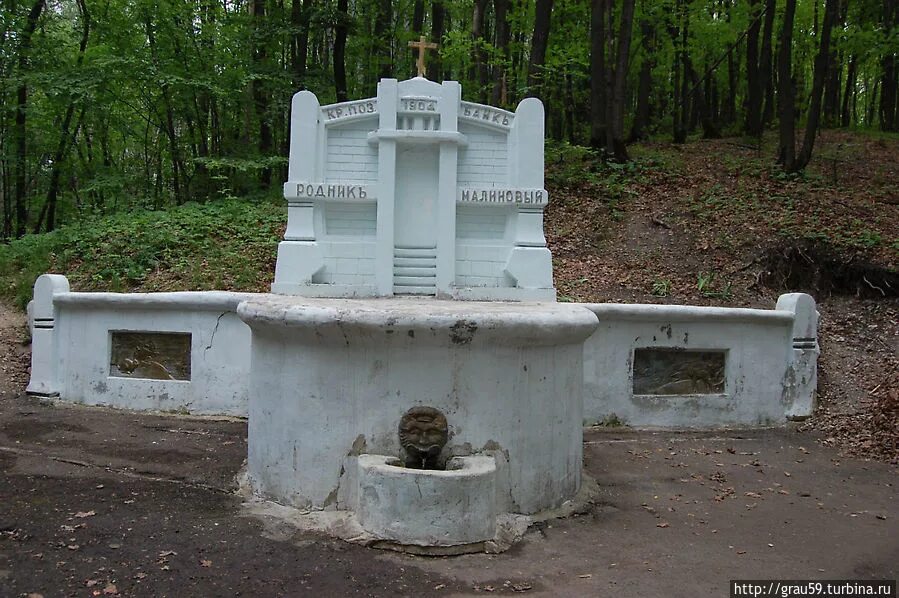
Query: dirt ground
(99, 502)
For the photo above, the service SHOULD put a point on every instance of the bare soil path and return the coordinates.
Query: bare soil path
(101, 502)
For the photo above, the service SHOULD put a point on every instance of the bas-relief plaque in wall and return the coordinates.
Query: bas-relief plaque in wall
(154, 355)
(678, 372)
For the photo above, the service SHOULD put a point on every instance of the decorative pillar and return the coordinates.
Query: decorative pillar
(448, 108)
(386, 194)
(801, 380)
(45, 379)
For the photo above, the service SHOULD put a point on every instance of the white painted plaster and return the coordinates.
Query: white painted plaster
(801, 382)
(408, 162)
(427, 508)
(331, 379)
(765, 383)
(220, 351)
(45, 340)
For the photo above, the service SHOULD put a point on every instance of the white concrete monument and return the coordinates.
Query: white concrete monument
(420, 422)
(415, 192)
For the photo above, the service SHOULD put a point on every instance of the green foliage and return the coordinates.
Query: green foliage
(218, 245)
(661, 287)
(707, 285)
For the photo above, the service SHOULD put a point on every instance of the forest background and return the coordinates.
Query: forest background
(110, 105)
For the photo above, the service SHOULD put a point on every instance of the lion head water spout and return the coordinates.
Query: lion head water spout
(423, 434)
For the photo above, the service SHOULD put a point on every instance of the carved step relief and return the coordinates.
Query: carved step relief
(678, 372)
(151, 355)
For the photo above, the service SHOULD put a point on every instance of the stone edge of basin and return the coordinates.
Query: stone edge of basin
(537, 323)
(428, 508)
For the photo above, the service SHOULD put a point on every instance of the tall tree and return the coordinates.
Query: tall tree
(66, 135)
(340, 33)
(478, 73)
(21, 119)
(766, 65)
(257, 85)
(890, 73)
(821, 68)
(299, 46)
(754, 88)
(501, 12)
(598, 84)
(790, 160)
(438, 18)
(644, 81)
(539, 41)
(786, 94)
(615, 139)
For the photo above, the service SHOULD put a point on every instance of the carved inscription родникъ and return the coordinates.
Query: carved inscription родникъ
(331, 191)
(423, 434)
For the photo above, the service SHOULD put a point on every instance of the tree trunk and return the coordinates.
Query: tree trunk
(644, 83)
(418, 16)
(299, 48)
(821, 67)
(478, 72)
(615, 138)
(710, 130)
(438, 19)
(340, 31)
(766, 66)
(888, 84)
(501, 11)
(685, 106)
(21, 116)
(730, 105)
(754, 88)
(65, 137)
(174, 150)
(679, 132)
(598, 74)
(848, 92)
(257, 89)
(383, 39)
(538, 47)
(785, 91)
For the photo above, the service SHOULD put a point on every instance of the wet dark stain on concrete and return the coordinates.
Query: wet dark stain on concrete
(462, 332)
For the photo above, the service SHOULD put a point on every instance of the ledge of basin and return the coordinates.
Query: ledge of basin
(456, 467)
(536, 323)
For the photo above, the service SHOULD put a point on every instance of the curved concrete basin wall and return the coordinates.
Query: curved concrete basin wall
(769, 359)
(332, 378)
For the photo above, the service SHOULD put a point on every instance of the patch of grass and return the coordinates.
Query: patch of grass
(707, 285)
(611, 421)
(228, 244)
(661, 287)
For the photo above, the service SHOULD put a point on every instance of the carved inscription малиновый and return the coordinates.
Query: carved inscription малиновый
(678, 372)
(153, 355)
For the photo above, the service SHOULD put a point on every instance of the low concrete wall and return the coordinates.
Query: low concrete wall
(769, 374)
(71, 355)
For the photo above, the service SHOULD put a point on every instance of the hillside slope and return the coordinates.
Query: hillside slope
(717, 223)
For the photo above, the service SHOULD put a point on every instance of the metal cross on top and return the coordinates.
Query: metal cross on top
(422, 44)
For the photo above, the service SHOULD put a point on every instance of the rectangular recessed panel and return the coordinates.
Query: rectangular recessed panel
(153, 355)
(358, 220)
(678, 372)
